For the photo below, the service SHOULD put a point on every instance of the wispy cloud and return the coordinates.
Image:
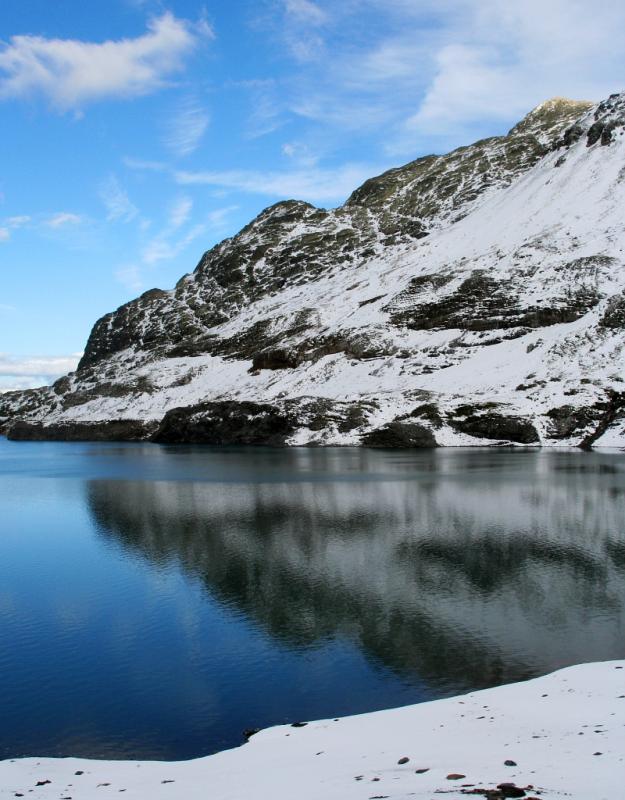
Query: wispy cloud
(142, 164)
(17, 222)
(61, 219)
(305, 11)
(316, 184)
(129, 276)
(116, 201)
(164, 247)
(180, 212)
(5, 234)
(25, 372)
(172, 240)
(72, 72)
(416, 77)
(186, 127)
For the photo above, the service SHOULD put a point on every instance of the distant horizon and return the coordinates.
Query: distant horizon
(141, 134)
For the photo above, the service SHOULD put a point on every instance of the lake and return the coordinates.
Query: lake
(156, 601)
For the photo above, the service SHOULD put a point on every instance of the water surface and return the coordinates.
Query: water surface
(156, 601)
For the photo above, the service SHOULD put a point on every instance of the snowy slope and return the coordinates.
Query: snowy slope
(562, 735)
(471, 298)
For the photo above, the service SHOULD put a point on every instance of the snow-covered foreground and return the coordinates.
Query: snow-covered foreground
(562, 735)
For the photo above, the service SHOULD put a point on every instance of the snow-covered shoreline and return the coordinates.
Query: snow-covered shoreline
(562, 735)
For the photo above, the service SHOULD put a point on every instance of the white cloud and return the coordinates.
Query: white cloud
(219, 217)
(169, 243)
(5, 234)
(314, 185)
(186, 128)
(26, 372)
(116, 201)
(426, 76)
(180, 212)
(71, 73)
(17, 222)
(61, 219)
(305, 11)
(142, 164)
(300, 154)
(130, 277)
(162, 248)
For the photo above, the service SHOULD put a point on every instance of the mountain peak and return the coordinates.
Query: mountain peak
(550, 116)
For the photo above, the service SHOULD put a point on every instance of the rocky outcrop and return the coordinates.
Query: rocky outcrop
(116, 430)
(400, 434)
(493, 425)
(226, 423)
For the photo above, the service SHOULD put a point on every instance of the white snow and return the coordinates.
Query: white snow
(565, 732)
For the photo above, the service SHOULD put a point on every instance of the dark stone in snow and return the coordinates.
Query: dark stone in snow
(510, 790)
(400, 434)
(491, 425)
(509, 763)
(226, 423)
(403, 760)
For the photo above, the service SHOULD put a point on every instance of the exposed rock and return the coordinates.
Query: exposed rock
(481, 303)
(492, 425)
(614, 409)
(276, 358)
(400, 434)
(226, 423)
(567, 420)
(614, 314)
(116, 430)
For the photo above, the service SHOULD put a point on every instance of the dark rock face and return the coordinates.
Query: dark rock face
(225, 423)
(276, 358)
(612, 409)
(400, 434)
(430, 412)
(481, 303)
(122, 430)
(491, 425)
(609, 117)
(614, 315)
(567, 420)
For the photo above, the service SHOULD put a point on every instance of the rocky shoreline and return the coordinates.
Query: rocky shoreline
(280, 425)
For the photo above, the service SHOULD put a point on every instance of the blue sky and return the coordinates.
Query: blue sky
(138, 133)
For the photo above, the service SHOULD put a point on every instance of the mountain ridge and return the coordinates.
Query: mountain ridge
(384, 321)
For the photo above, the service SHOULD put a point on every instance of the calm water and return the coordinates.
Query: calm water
(156, 601)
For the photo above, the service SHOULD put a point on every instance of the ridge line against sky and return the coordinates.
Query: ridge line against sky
(138, 133)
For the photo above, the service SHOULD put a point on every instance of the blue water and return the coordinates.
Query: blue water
(157, 601)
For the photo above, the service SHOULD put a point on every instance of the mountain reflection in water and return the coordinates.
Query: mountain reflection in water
(463, 569)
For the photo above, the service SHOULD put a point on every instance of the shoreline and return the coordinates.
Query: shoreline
(558, 735)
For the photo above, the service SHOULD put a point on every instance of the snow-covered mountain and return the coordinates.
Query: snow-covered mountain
(464, 299)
